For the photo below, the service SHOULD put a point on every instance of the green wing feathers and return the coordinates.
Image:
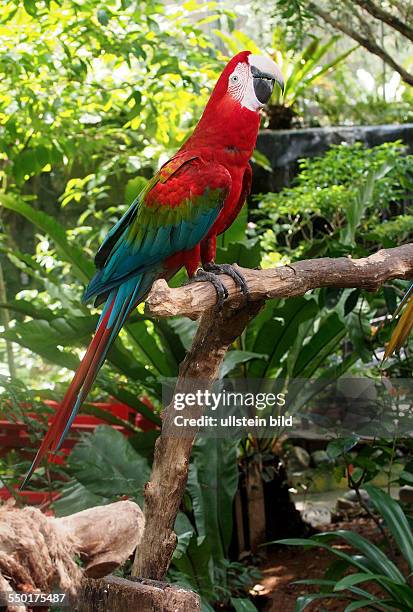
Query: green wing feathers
(172, 214)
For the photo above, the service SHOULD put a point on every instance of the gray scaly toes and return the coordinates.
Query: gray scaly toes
(230, 271)
(204, 276)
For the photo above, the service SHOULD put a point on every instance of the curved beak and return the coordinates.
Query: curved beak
(265, 74)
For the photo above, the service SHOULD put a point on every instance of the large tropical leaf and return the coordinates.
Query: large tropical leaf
(81, 265)
(212, 486)
(107, 465)
(278, 334)
(396, 521)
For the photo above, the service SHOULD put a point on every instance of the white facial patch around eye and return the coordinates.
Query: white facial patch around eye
(238, 82)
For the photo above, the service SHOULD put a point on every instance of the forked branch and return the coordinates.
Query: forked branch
(217, 330)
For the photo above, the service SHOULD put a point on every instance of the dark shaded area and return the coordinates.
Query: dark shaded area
(284, 148)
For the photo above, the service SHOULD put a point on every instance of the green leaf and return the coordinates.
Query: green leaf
(352, 580)
(127, 397)
(196, 564)
(395, 520)
(212, 484)
(243, 605)
(108, 417)
(406, 477)
(234, 358)
(261, 160)
(107, 465)
(340, 446)
(276, 335)
(133, 188)
(305, 600)
(75, 498)
(322, 344)
(103, 17)
(184, 531)
(237, 231)
(381, 562)
(147, 346)
(246, 254)
(82, 267)
(28, 309)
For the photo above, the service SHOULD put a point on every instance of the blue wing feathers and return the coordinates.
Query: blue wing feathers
(147, 235)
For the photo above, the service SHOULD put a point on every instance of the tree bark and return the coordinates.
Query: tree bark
(367, 43)
(216, 332)
(286, 281)
(391, 20)
(163, 494)
(256, 504)
(120, 595)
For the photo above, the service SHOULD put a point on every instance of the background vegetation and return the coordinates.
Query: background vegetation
(93, 98)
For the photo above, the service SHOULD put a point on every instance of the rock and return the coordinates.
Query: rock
(298, 459)
(317, 516)
(320, 457)
(352, 496)
(406, 494)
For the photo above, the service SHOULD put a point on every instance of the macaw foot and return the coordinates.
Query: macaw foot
(230, 271)
(206, 276)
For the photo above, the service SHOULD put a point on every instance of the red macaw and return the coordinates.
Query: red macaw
(175, 220)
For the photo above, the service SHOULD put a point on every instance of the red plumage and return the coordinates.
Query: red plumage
(226, 133)
(176, 219)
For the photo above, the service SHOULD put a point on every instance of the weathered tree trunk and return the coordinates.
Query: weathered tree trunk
(256, 503)
(37, 551)
(163, 494)
(119, 595)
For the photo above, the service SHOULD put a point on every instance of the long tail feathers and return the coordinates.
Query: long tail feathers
(404, 325)
(119, 304)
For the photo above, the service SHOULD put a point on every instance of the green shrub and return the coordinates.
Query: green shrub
(372, 564)
(351, 196)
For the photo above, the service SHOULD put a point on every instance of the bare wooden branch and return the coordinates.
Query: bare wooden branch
(368, 43)
(287, 281)
(37, 552)
(386, 17)
(163, 494)
(216, 332)
(120, 595)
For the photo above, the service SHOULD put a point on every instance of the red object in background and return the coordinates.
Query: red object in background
(141, 421)
(15, 436)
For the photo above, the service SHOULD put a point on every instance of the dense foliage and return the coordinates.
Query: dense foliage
(351, 200)
(372, 565)
(92, 98)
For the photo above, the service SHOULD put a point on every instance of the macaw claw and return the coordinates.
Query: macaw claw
(209, 273)
(204, 276)
(230, 271)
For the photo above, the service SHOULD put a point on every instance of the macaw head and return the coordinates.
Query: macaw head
(249, 79)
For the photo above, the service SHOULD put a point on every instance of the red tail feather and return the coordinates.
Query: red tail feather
(84, 374)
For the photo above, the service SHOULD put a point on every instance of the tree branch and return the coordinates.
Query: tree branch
(163, 494)
(287, 281)
(391, 20)
(216, 332)
(103, 537)
(367, 43)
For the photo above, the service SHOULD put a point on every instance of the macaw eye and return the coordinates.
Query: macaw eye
(234, 78)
